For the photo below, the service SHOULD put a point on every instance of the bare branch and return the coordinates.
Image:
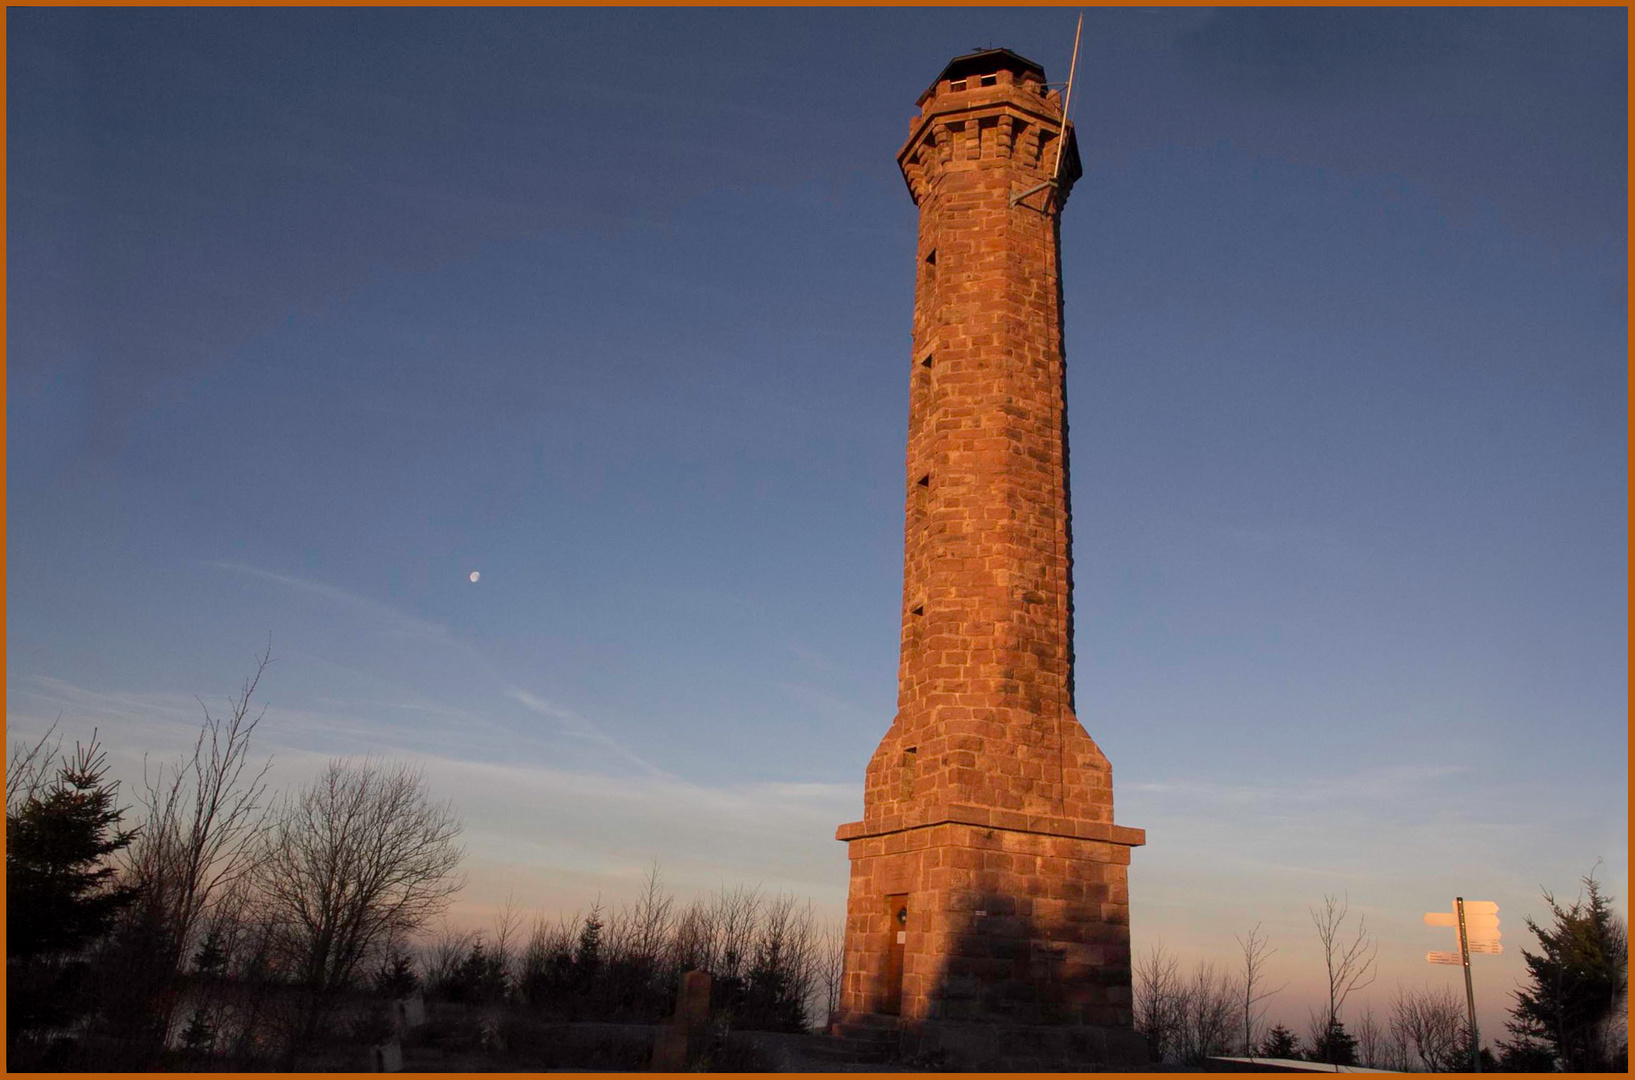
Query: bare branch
(1348, 957)
(28, 768)
(1432, 1024)
(1373, 1042)
(1256, 951)
(833, 961)
(1159, 1002)
(204, 815)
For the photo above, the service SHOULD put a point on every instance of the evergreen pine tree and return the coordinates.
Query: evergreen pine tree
(479, 978)
(211, 959)
(587, 958)
(397, 977)
(1336, 1046)
(1280, 1042)
(200, 1034)
(1576, 985)
(210, 962)
(60, 892)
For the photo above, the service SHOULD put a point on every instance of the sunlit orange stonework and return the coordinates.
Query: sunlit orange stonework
(988, 880)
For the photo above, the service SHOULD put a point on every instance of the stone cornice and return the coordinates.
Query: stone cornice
(1008, 820)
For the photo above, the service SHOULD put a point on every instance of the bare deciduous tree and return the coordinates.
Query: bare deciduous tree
(1159, 1002)
(1256, 950)
(203, 817)
(442, 956)
(735, 915)
(1372, 1040)
(1348, 957)
(832, 962)
(785, 956)
(1394, 1052)
(1432, 1023)
(1208, 1008)
(506, 923)
(693, 946)
(651, 918)
(359, 858)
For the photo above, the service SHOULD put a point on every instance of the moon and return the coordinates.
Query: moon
(474, 576)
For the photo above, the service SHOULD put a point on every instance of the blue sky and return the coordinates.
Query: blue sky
(314, 312)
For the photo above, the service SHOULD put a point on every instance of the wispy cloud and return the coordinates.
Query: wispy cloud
(399, 622)
(780, 835)
(1385, 783)
(577, 726)
(528, 821)
(810, 657)
(1313, 543)
(824, 704)
(34, 703)
(569, 723)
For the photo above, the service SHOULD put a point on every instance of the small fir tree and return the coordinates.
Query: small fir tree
(1280, 1042)
(199, 1037)
(397, 977)
(587, 958)
(211, 959)
(1336, 1046)
(481, 977)
(60, 889)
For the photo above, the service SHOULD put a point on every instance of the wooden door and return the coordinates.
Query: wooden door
(896, 940)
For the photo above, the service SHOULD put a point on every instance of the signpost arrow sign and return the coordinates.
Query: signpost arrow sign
(1481, 927)
(1476, 927)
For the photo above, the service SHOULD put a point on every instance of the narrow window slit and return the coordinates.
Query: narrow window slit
(927, 361)
(988, 80)
(925, 481)
(918, 609)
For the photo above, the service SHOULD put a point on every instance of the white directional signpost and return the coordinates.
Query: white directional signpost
(1477, 924)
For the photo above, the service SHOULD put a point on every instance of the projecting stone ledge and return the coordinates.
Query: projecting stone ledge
(1010, 820)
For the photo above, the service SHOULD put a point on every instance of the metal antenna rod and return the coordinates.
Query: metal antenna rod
(1067, 102)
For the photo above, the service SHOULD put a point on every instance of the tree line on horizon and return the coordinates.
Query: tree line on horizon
(1568, 1016)
(231, 927)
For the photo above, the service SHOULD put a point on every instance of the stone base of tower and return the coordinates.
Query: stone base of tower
(1024, 1048)
(991, 921)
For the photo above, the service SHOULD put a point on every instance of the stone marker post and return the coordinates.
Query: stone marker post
(673, 1040)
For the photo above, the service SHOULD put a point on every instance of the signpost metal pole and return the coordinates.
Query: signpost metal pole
(1470, 994)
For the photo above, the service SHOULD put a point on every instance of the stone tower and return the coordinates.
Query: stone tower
(988, 881)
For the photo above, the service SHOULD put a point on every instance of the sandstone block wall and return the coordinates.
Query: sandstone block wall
(1002, 925)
